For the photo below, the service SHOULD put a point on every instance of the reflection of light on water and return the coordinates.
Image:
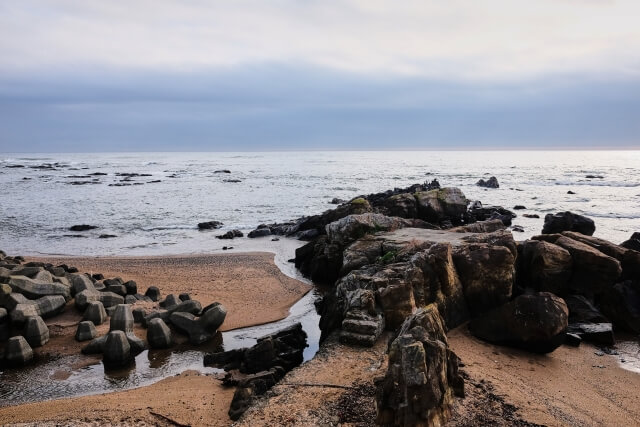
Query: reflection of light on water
(629, 355)
(38, 382)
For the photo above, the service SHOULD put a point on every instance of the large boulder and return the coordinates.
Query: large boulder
(402, 205)
(80, 282)
(320, 260)
(153, 293)
(593, 271)
(621, 303)
(4, 324)
(545, 267)
(487, 274)
(34, 289)
(568, 221)
(36, 331)
(489, 183)
(422, 375)
(536, 323)
(442, 204)
(17, 352)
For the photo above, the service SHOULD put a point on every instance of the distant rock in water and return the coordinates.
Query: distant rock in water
(336, 201)
(262, 231)
(570, 192)
(519, 207)
(82, 227)
(232, 234)
(209, 225)
(106, 236)
(594, 176)
(568, 221)
(231, 180)
(531, 215)
(222, 171)
(490, 183)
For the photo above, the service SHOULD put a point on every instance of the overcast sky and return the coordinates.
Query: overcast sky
(309, 74)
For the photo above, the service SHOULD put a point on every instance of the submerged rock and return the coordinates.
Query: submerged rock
(209, 225)
(117, 351)
(82, 227)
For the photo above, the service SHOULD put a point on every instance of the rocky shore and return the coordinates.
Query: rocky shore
(420, 280)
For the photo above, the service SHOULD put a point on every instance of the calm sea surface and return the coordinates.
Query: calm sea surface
(157, 213)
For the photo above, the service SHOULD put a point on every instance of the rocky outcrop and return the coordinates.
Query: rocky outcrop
(231, 234)
(621, 304)
(568, 221)
(422, 376)
(633, 242)
(534, 322)
(256, 369)
(440, 205)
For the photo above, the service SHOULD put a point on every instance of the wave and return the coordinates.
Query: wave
(599, 183)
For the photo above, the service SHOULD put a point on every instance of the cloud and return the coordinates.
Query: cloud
(456, 39)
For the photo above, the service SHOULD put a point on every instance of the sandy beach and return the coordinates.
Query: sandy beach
(250, 285)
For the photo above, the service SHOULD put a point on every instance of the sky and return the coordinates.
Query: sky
(88, 75)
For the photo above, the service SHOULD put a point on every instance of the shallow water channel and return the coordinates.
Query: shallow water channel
(42, 380)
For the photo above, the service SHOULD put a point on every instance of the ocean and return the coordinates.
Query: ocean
(152, 202)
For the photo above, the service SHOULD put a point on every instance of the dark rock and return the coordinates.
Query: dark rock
(489, 183)
(545, 267)
(210, 225)
(199, 329)
(139, 314)
(158, 334)
(82, 227)
(621, 304)
(517, 228)
(567, 221)
(131, 287)
(531, 215)
(261, 231)
(117, 350)
(581, 310)
(633, 243)
(184, 296)
(232, 234)
(169, 302)
(122, 319)
(336, 201)
(95, 313)
(114, 281)
(422, 375)
(572, 340)
(36, 332)
(108, 299)
(519, 207)
(86, 331)
(596, 333)
(97, 276)
(17, 352)
(222, 171)
(118, 290)
(153, 292)
(107, 236)
(535, 323)
(570, 192)
(444, 204)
